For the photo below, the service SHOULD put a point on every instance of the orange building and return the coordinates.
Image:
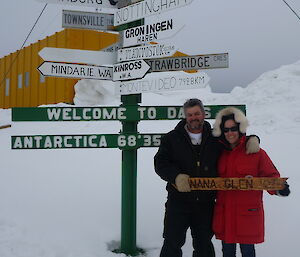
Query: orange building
(22, 85)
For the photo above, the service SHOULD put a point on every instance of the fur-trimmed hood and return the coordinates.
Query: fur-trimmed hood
(239, 117)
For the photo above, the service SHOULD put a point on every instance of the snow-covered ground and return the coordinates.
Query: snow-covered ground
(66, 203)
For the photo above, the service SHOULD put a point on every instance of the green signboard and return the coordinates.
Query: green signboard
(122, 141)
(121, 113)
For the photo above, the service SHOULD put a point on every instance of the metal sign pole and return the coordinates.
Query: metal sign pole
(129, 185)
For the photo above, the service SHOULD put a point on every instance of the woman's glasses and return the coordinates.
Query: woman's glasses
(226, 130)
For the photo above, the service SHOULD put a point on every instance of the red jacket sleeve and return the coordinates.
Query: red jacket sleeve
(267, 168)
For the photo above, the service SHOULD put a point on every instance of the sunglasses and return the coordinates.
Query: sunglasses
(233, 129)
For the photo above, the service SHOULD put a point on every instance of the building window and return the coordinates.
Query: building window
(7, 87)
(20, 80)
(27, 78)
(42, 78)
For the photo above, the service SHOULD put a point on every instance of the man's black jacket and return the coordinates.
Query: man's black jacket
(177, 155)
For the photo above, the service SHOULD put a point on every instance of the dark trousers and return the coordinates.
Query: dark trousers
(229, 250)
(180, 216)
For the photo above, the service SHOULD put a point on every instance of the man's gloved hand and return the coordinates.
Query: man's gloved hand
(285, 191)
(182, 183)
(252, 145)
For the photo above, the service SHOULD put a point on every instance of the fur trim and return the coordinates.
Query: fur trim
(239, 117)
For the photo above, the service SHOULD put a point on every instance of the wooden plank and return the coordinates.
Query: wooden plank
(261, 183)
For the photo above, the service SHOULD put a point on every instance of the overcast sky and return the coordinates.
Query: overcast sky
(259, 35)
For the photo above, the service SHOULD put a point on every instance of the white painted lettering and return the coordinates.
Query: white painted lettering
(65, 114)
(18, 143)
(74, 115)
(48, 143)
(28, 142)
(97, 113)
(53, 113)
(57, 142)
(66, 141)
(85, 112)
(171, 113)
(77, 140)
(91, 143)
(102, 142)
(38, 141)
(121, 115)
(142, 112)
(152, 113)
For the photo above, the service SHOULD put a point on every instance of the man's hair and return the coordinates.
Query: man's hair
(193, 102)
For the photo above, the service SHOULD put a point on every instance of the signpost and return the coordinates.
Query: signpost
(166, 82)
(87, 20)
(110, 113)
(126, 141)
(84, 3)
(161, 29)
(133, 65)
(78, 56)
(130, 70)
(196, 62)
(146, 8)
(145, 52)
(68, 70)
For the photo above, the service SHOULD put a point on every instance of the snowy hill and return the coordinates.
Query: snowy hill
(66, 203)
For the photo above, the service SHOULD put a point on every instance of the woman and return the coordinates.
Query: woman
(239, 215)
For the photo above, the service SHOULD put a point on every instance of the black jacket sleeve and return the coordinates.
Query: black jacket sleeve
(163, 164)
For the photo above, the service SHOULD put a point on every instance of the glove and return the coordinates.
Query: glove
(285, 191)
(252, 145)
(182, 183)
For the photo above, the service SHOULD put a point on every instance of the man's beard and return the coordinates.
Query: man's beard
(195, 125)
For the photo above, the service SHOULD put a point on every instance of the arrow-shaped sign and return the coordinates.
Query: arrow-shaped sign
(112, 48)
(69, 70)
(146, 8)
(195, 62)
(130, 70)
(95, 4)
(161, 29)
(87, 20)
(166, 81)
(78, 56)
(145, 52)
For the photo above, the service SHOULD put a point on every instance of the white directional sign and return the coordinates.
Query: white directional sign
(195, 62)
(112, 48)
(146, 8)
(150, 32)
(146, 52)
(87, 20)
(78, 56)
(68, 70)
(90, 3)
(167, 81)
(130, 70)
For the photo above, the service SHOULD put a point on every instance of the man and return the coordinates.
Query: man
(189, 150)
